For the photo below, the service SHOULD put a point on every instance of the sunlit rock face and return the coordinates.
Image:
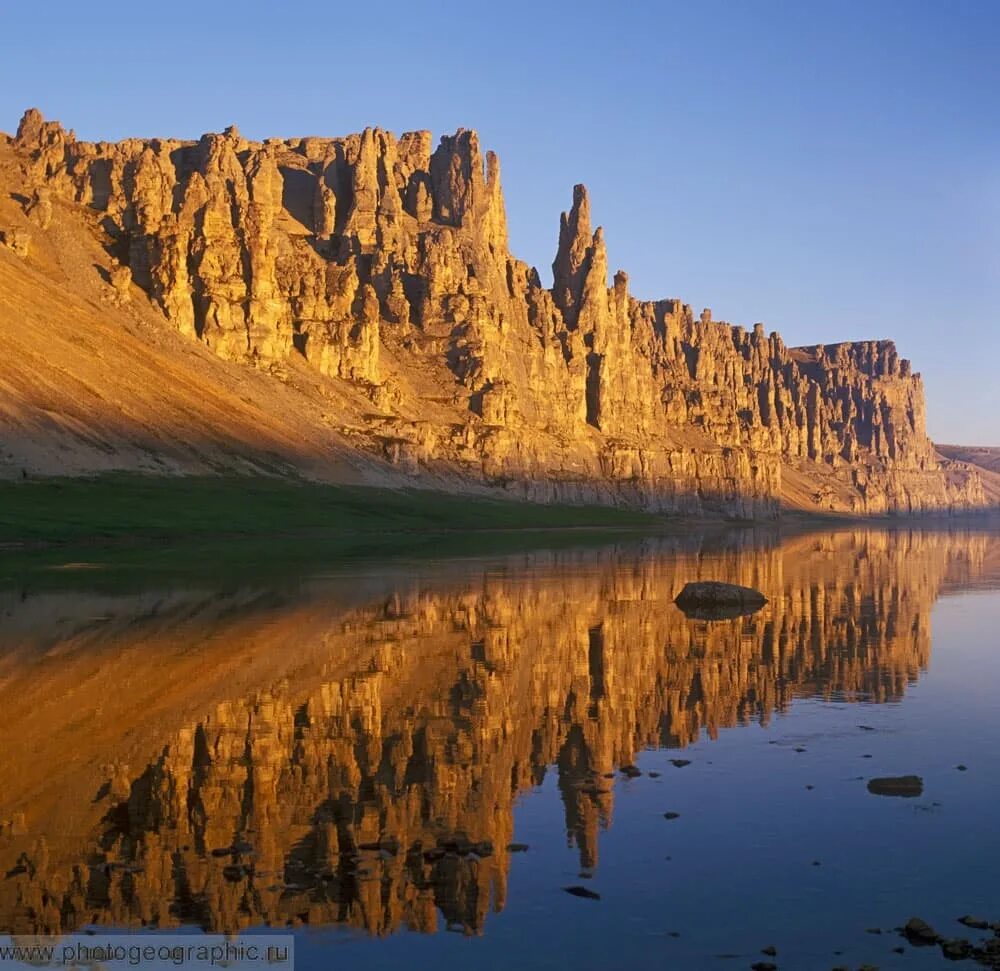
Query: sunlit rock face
(302, 758)
(384, 263)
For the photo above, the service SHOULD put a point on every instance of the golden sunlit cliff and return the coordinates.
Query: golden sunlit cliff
(348, 308)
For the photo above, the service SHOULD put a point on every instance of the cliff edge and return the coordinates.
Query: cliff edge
(348, 308)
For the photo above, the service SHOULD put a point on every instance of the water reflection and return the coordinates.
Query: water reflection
(349, 750)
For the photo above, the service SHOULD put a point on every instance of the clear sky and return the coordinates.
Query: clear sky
(831, 169)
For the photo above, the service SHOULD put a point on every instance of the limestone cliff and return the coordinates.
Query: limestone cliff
(384, 264)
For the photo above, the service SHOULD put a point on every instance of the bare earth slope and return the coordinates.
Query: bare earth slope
(348, 308)
(984, 456)
(89, 385)
(986, 460)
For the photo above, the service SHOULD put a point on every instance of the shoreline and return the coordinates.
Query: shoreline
(127, 510)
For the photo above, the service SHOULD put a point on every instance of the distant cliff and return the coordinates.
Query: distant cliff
(384, 265)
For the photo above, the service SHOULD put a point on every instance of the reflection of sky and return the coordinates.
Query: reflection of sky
(741, 873)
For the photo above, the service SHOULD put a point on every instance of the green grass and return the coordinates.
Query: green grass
(132, 530)
(116, 508)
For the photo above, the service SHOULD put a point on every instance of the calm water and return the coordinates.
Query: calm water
(353, 754)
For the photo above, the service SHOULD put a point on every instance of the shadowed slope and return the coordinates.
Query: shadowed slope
(88, 386)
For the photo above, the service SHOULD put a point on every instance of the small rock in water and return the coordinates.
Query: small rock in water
(632, 771)
(654, 775)
(799, 748)
(975, 922)
(810, 787)
(763, 966)
(680, 763)
(918, 931)
(962, 768)
(956, 948)
(816, 863)
(517, 847)
(906, 786)
(866, 728)
(588, 894)
(770, 950)
(671, 815)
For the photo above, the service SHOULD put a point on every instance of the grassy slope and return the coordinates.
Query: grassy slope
(141, 528)
(115, 508)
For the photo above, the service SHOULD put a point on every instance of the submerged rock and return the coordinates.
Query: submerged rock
(956, 948)
(918, 931)
(907, 786)
(712, 600)
(976, 923)
(578, 891)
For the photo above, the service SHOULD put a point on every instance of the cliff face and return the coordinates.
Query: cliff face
(289, 759)
(385, 266)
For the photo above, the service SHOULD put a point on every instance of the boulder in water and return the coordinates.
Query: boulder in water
(712, 600)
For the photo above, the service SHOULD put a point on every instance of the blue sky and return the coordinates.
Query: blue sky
(830, 169)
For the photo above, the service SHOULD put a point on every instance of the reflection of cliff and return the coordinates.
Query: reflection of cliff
(302, 762)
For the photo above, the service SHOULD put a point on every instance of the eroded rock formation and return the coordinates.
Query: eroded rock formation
(385, 265)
